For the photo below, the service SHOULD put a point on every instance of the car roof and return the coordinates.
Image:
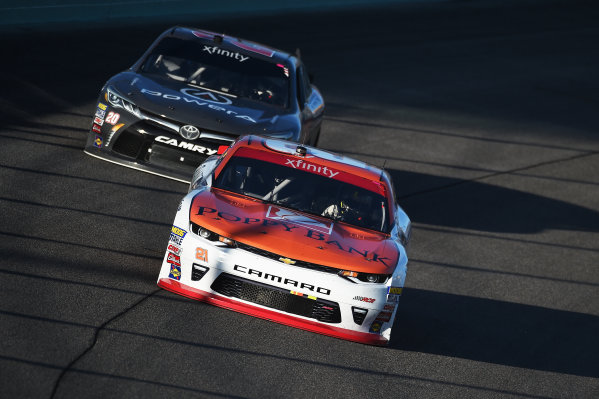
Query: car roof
(231, 42)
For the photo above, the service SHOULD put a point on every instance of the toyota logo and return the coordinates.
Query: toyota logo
(189, 132)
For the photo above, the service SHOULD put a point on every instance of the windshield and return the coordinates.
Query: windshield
(305, 191)
(214, 68)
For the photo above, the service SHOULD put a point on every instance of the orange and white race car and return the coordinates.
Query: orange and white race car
(292, 234)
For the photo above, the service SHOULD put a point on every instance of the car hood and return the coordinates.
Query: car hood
(293, 234)
(208, 110)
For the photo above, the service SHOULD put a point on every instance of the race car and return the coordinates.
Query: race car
(292, 234)
(195, 91)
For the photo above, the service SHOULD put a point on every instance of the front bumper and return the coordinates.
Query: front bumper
(149, 142)
(267, 314)
(246, 282)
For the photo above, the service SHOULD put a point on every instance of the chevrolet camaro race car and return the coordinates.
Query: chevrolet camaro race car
(292, 234)
(194, 92)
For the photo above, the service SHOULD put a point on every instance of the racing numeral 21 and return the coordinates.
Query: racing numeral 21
(202, 254)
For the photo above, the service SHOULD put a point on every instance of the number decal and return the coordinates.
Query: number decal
(112, 118)
(202, 254)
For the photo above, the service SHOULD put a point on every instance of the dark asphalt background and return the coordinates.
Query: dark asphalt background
(486, 114)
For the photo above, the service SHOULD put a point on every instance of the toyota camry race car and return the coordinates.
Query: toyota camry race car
(194, 92)
(292, 234)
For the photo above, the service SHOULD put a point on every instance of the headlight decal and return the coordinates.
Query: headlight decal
(119, 102)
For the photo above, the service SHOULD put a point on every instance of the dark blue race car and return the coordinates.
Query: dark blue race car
(192, 94)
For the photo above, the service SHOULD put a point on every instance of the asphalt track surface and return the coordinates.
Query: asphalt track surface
(486, 115)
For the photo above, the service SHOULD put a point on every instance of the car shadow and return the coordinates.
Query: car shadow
(486, 207)
(497, 332)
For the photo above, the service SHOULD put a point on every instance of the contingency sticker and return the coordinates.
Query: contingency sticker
(177, 235)
(376, 327)
(393, 298)
(389, 307)
(364, 299)
(98, 142)
(175, 272)
(175, 249)
(384, 316)
(172, 258)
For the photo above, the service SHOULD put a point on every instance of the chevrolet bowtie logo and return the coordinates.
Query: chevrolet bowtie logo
(287, 261)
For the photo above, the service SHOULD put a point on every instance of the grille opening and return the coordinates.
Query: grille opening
(198, 271)
(171, 156)
(277, 298)
(129, 143)
(359, 315)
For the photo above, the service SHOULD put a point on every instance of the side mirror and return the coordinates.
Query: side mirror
(202, 176)
(404, 225)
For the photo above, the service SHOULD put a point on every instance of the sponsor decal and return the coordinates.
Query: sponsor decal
(177, 235)
(98, 142)
(280, 159)
(178, 231)
(301, 294)
(112, 118)
(100, 113)
(98, 121)
(202, 99)
(202, 254)
(174, 249)
(376, 327)
(185, 145)
(206, 96)
(364, 299)
(393, 298)
(281, 280)
(175, 272)
(96, 128)
(287, 261)
(384, 317)
(102, 107)
(389, 307)
(395, 290)
(310, 167)
(172, 258)
(226, 53)
(285, 215)
(212, 213)
(374, 256)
